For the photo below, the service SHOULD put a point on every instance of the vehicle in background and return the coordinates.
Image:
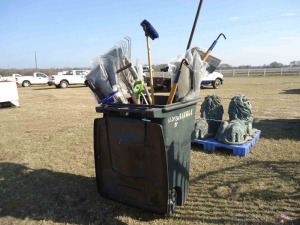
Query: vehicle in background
(13, 77)
(63, 80)
(1, 78)
(36, 78)
(62, 73)
(165, 69)
(163, 81)
(146, 69)
(212, 78)
(16, 75)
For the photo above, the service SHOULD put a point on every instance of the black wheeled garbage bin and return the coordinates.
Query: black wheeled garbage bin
(142, 153)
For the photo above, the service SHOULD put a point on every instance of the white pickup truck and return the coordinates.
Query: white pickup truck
(212, 78)
(163, 80)
(36, 78)
(13, 77)
(68, 78)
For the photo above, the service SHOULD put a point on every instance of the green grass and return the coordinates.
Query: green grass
(47, 167)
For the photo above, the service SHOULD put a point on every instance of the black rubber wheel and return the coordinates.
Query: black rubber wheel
(171, 202)
(63, 84)
(26, 83)
(57, 86)
(217, 83)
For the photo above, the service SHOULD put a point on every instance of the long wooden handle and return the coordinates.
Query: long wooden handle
(175, 84)
(211, 48)
(172, 93)
(150, 71)
(206, 55)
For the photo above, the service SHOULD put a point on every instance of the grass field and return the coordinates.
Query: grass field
(47, 167)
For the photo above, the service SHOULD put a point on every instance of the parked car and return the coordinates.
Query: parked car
(63, 80)
(36, 78)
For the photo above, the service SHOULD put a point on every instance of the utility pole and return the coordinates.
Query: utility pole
(35, 62)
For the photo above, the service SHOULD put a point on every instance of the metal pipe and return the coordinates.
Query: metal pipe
(194, 26)
(220, 35)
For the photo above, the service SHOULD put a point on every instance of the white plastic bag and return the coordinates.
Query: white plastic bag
(104, 77)
(189, 83)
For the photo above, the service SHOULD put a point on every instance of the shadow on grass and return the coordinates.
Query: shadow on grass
(253, 192)
(279, 128)
(58, 197)
(206, 87)
(291, 91)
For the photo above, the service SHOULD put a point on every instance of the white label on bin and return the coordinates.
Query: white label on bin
(181, 116)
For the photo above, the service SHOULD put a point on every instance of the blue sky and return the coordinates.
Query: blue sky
(70, 33)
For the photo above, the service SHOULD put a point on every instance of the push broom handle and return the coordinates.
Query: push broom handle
(175, 84)
(150, 71)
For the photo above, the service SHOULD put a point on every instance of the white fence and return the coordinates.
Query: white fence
(160, 75)
(245, 72)
(260, 72)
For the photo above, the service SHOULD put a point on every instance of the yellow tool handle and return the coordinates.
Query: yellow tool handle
(206, 55)
(172, 93)
(150, 71)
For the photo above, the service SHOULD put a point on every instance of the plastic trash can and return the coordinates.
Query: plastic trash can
(142, 153)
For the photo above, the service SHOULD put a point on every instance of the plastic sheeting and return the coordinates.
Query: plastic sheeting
(191, 77)
(104, 76)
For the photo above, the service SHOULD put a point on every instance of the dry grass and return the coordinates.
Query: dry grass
(47, 169)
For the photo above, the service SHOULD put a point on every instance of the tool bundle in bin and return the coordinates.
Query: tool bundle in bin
(113, 78)
(142, 152)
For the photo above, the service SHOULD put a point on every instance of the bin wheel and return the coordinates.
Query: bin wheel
(171, 202)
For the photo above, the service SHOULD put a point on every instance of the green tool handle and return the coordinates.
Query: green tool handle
(136, 91)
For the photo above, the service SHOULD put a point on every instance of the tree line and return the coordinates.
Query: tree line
(53, 71)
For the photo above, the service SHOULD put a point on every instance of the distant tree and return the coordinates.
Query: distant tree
(295, 64)
(264, 66)
(225, 66)
(276, 65)
(244, 67)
